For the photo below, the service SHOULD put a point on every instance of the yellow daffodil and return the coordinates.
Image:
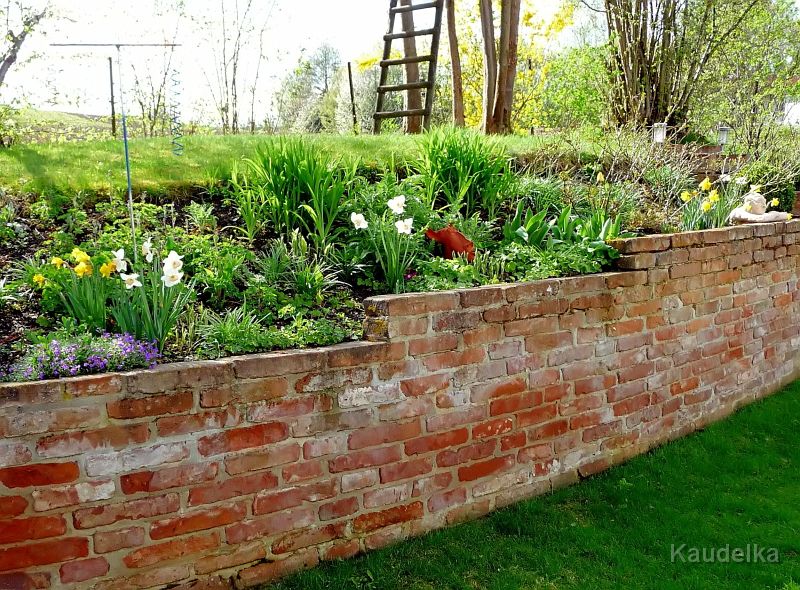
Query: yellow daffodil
(108, 268)
(706, 184)
(755, 188)
(57, 262)
(79, 255)
(600, 178)
(706, 206)
(774, 202)
(83, 269)
(686, 196)
(39, 280)
(788, 216)
(713, 196)
(748, 208)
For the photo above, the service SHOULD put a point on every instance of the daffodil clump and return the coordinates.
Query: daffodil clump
(143, 298)
(392, 240)
(710, 204)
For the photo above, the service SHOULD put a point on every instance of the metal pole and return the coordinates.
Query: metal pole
(113, 111)
(352, 97)
(127, 153)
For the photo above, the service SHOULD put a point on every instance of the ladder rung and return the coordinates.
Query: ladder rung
(393, 114)
(421, 6)
(405, 60)
(406, 34)
(400, 87)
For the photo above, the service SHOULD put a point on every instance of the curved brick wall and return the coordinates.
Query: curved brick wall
(234, 472)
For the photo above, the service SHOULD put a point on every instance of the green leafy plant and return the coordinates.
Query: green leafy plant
(531, 229)
(201, 217)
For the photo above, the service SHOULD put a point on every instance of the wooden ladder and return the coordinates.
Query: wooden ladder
(429, 84)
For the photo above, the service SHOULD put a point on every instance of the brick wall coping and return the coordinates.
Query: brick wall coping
(638, 254)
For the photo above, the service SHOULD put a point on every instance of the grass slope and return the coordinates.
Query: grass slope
(736, 483)
(98, 165)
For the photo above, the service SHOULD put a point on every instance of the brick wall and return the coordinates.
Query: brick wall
(238, 471)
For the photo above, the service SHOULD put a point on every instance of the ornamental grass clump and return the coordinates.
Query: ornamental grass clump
(82, 355)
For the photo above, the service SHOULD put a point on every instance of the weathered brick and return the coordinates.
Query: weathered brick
(170, 477)
(153, 554)
(108, 541)
(85, 569)
(75, 443)
(234, 487)
(242, 438)
(87, 518)
(71, 495)
(153, 405)
(198, 520)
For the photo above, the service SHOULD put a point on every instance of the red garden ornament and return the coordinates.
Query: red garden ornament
(453, 241)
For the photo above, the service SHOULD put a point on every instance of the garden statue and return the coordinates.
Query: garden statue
(754, 210)
(453, 241)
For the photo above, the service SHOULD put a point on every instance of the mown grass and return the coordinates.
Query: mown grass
(738, 482)
(98, 166)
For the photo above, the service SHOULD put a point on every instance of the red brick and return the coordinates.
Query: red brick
(57, 551)
(338, 509)
(492, 428)
(473, 452)
(239, 555)
(586, 419)
(447, 499)
(536, 453)
(537, 415)
(365, 458)
(268, 572)
(385, 433)
(375, 520)
(425, 385)
(266, 503)
(450, 420)
(171, 477)
(108, 541)
(431, 344)
(80, 493)
(486, 468)
(198, 520)
(242, 438)
(23, 581)
(173, 425)
(34, 422)
(273, 524)
(12, 506)
(86, 569)
(632, 404)
(501, 388)
(513, 441)
(270, 410)
(153, 554)
(43, 474)
(153, 405)
(549, 430)
(342, 550)
(405, 470)
(28, 529)
(307, 537)
(602, 431)
(87, 518)
(455, 358)
(302, 471)
(234, 487)
(510, 405)
(75, 443)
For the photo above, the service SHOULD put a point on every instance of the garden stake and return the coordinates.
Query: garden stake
(119, 47)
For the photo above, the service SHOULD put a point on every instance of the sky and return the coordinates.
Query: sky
(76, 79)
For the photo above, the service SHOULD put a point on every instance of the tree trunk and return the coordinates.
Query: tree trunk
(489, 63)
(507, 67)
(413, 98)
(10, 57)
(455, 61)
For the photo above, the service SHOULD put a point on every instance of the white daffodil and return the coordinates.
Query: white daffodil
(171, 279)
(130, 281)
(725, 178)
(397, 205)
(359, 221)
(741, 180)
(404, 226)
(119, 260)
(173, 263)
(147, 250)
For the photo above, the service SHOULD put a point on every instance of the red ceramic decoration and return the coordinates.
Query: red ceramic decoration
(453, 241)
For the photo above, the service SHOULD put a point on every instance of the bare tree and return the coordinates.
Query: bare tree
(20, 21)
(455, 65)
(660, 50)
(500, 72)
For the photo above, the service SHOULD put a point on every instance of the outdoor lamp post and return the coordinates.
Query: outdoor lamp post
(723, 134)
(659, 132)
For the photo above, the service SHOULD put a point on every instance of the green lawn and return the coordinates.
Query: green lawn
(98, 166)
(736, 483)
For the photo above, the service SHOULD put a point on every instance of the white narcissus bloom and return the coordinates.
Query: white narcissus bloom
(359, 221)
(397, 205)
(130, 281)
(173, 263)
(741, 180)
(404, 226)
(725, 178)
(119, 260)
(147, 250)
(171, 279)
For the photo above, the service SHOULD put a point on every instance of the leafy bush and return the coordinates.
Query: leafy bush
(64, 356)
(465, 171)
